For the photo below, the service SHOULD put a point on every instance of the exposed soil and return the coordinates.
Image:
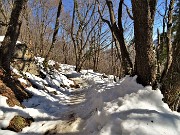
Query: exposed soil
(13, 89)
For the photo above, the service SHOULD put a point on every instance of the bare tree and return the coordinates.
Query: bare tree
(118, 34)
(66, 42)
(81, 32)
(40, 23)
(3, 19)
(171, 81)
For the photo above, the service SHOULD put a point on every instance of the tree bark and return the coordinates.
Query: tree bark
(171, 82)
(158, 56)
(145, 62)
(13, 30)
(169, 39)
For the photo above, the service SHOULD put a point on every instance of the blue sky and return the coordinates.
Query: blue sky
(68, 6)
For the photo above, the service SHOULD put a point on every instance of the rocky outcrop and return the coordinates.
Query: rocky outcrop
(23, 60)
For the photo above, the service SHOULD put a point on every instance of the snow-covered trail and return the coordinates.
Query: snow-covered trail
(87, 103)
(61, 105)
(122, 108)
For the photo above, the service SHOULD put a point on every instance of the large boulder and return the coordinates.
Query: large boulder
(13, 89)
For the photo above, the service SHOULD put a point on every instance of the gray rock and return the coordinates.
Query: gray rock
(23, 60)
(22, 52)
(26, 66)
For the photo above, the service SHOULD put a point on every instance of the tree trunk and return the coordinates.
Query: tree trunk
(169, 39)
(56, 28)
(171, 82)
(145, 62)
(118, 32)
(9, 42)
(158, 56)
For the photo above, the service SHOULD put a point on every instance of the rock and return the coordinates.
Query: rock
(22, 52)
(23, 60)
(104, 76)
(71, 127)
(26, 66)
(76, 86)
(78, 82)
(18, 123)
(42, 75)
(7, 92)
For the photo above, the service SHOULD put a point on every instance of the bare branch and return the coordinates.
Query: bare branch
(104, 20)
(3, 24)
(128, 11)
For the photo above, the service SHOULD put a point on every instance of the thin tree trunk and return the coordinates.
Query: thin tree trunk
(158, 56)
(171, 82)
(9, 42)
(169, 39)
(56, 29)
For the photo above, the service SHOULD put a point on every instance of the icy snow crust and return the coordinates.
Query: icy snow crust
(101, 107)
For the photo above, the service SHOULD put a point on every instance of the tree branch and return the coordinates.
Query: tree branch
(3, 24)
(128, 11)
(101, 16)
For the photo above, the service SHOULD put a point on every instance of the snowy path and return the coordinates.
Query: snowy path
(86, 103)
(67, 108)
(100, 107)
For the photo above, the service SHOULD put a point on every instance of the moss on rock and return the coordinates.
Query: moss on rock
(18, 123)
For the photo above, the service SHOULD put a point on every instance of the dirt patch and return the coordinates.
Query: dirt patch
(13, 90)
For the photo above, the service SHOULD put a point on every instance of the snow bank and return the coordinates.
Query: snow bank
(141, 113)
